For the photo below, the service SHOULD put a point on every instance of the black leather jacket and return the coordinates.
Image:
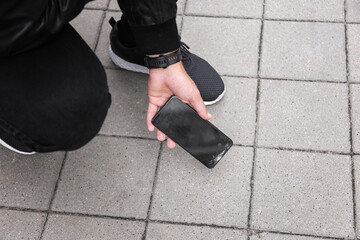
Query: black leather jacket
(26, 24)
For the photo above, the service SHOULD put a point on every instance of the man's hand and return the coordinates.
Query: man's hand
(163, 83)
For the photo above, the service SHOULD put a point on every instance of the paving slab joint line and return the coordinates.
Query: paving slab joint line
(258, 231)
(242, 145)
(153, 190)
(97, 39)
(128, 137)
(264, 19)
(353, 180)
(255, 77)
(197, 224)
(256, 120)
(53, 196)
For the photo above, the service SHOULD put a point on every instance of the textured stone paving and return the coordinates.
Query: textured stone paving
(292, 71)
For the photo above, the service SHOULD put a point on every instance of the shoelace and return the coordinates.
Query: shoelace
(186, 54)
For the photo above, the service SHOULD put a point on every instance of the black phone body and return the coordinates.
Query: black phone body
(197, 136)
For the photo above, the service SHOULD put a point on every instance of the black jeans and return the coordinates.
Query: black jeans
(54, 97)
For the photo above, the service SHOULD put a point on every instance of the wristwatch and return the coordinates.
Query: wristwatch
(163, 61)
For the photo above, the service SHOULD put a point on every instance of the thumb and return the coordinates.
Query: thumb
(198, 104)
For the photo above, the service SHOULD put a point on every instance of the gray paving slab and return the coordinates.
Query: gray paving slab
(127, 113)
(180, 6)
(158, 231)
(235, 114)
(186, 191)
(356, 160)
(113, 5)
(229, 45)
(87, 24)
(353, 33)
(329, 10)
(352, 11)
(274, 236)
(61, 227)
(305, 193)
(20, 225)
(97, 4)
(303, 50)
(102, 50)
(355, 116)
(109, 176)
(231, 8)
(304, 115)
(28, 181)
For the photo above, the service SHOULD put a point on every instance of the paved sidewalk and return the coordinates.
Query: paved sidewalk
(292, 71)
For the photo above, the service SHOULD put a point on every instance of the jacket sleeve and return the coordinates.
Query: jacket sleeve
(153, 23)
(25, 24)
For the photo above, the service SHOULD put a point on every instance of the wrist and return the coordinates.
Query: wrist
(163, 60)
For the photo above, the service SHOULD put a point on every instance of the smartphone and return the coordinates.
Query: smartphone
(197, 136)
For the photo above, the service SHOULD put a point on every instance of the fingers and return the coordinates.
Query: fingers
(170, 143)
(160, 135)
(152, 109)
(198, 104)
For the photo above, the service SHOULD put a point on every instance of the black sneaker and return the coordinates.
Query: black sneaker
(13, 144)
(207, 80)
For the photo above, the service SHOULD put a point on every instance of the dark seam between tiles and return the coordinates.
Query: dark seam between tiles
(255, 77)
(350, 124)
(153, 190)
(304, 150)
(53, 196)
(126, 137)
(262, 18)
(246, 145)
(257, 231)
(97, 39)
(252, 180)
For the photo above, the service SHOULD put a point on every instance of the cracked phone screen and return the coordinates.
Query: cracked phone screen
(197, 136)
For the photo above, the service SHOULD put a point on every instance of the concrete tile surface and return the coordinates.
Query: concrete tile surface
(353, 33)
(127, 113)
(109, 176)
(180, 232)
(20, 225)
(235, 114)
(233, 52)
(88, 24)
(86, 228)
(97, 4)
(28, 181)
(329, 10)
(356, 160)
(304, 115)
(283, 201)
(355, 116)
(113, 5)
(233, 8)
(352, 11)
(303, 50)
(300, 187)
(186, 191)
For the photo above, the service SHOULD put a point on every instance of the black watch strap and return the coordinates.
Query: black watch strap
(163, 61)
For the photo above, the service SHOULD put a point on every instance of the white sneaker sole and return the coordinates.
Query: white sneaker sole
(15, 150)
(121, 63)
